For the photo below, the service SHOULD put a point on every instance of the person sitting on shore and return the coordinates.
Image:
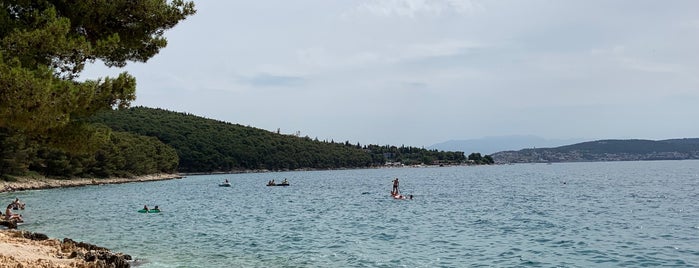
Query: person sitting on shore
(11, 216)
(8, 212)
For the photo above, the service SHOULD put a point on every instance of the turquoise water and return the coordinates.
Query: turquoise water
(619, 214)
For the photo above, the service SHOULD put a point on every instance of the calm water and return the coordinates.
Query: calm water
(630, 214)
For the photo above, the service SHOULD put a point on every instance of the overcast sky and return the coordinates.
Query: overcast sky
(420, 72)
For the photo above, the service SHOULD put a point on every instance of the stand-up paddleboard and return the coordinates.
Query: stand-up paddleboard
(402, 197)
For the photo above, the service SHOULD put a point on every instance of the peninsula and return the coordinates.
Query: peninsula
(606, 150)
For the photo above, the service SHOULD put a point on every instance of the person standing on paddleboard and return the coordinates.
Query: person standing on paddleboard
(395, 187)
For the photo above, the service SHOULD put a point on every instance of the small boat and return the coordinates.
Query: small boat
(283, 183)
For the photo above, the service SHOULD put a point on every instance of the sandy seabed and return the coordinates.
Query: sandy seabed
(18, 251)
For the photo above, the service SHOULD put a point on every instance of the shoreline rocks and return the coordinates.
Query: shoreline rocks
(28, 249)
(29, 183)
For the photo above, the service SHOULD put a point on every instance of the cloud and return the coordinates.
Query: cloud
(625, 59)
(390, 53)
(414, 8)
(269, 80)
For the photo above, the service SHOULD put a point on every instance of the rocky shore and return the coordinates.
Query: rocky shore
(19, 249)
(29, 183)
(27, 249)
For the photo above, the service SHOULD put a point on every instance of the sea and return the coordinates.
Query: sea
(603, 214)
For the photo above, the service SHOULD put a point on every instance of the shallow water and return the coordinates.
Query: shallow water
(618, 214)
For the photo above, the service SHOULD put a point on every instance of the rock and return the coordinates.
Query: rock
(83, 245)
(98, 256)
(85, 255)
(9, 224)
(35, 236)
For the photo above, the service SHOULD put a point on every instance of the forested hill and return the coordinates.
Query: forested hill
(606, 150)
(206, 145)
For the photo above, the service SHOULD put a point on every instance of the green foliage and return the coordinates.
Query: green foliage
(44, 46)
(476, 158)
(15, 152)
(129, 154)
(119, 154)
(413, 155)
(206, 145)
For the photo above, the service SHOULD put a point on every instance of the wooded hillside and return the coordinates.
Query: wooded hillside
(206, 145)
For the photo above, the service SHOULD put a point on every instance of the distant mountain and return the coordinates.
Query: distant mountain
(606, 150)
(489, 145)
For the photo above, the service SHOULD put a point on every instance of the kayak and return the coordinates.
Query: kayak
(149, 211)
(225, 185)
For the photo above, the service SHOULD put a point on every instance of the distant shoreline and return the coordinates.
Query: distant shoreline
(28, 183)
(33, 183)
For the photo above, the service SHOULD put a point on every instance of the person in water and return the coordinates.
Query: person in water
(16, 204)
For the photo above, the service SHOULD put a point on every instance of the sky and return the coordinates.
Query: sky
(421, 72)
